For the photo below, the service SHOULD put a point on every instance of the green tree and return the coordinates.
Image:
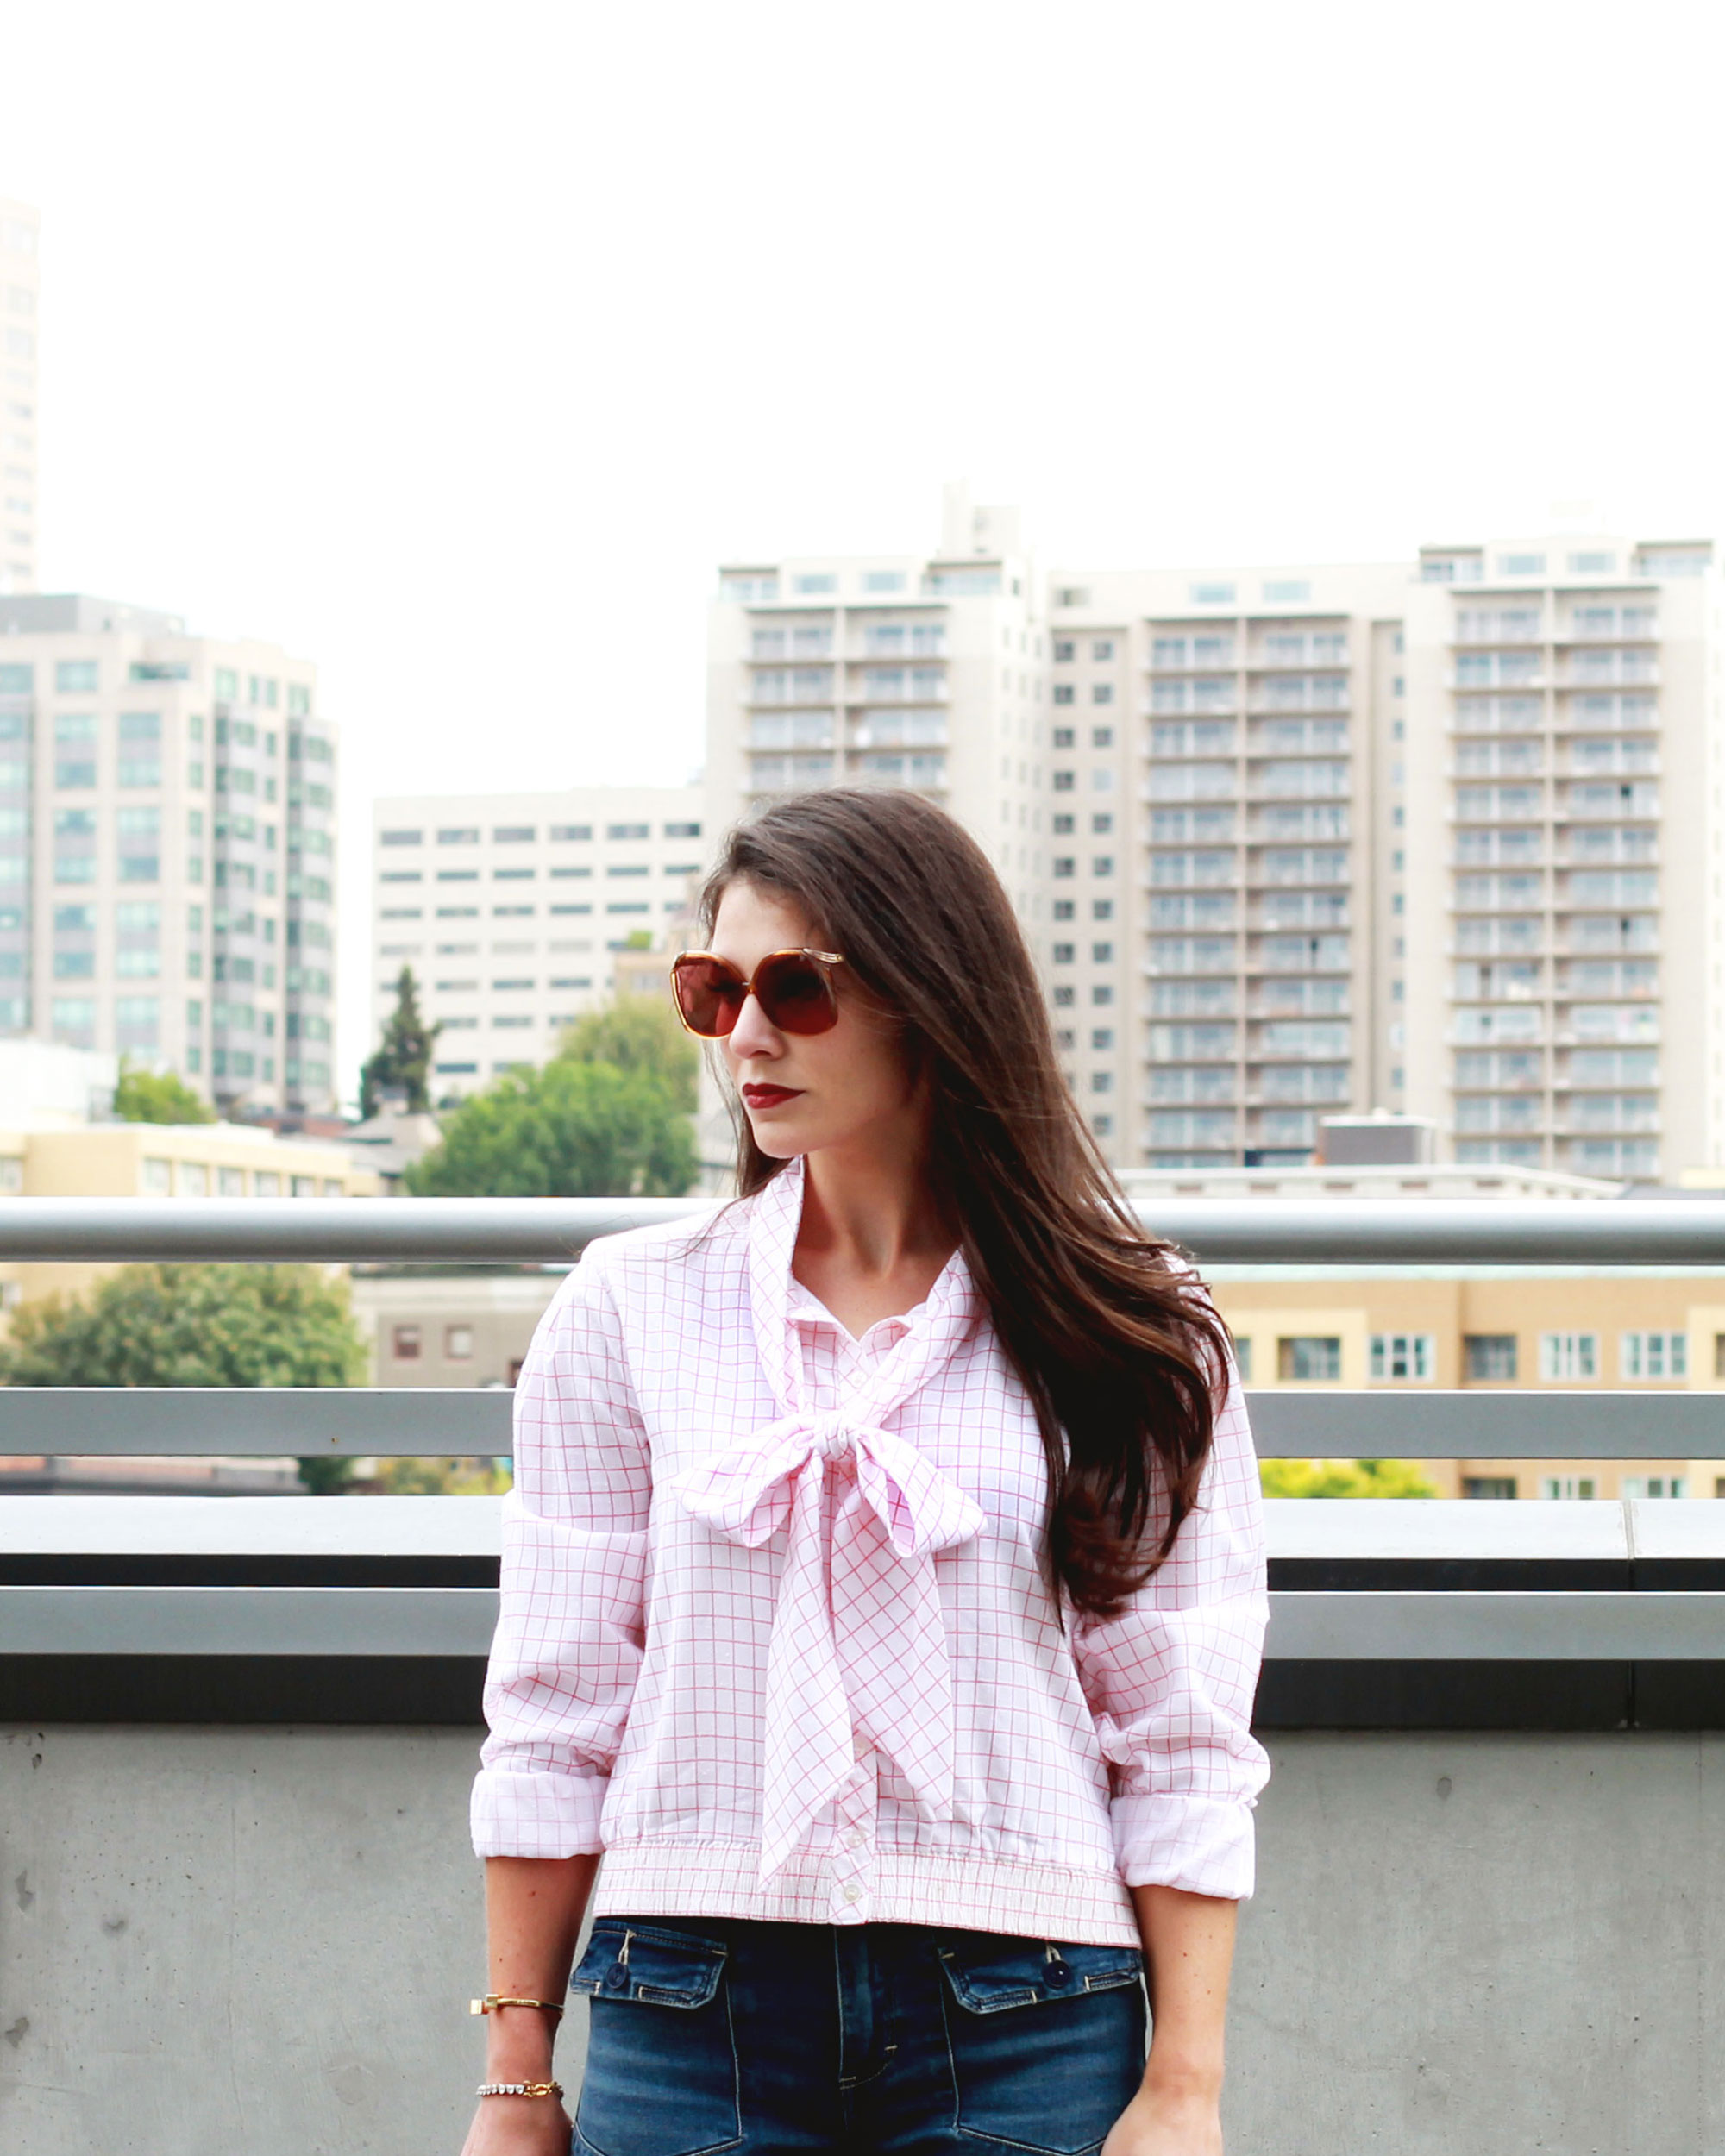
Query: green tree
(196, 1325)
(403, 1059)
(1343, 1478)
(639, 1034)
(157, 1096)
(573, 1128)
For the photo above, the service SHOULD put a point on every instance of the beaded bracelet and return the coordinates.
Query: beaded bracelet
(519, 2089)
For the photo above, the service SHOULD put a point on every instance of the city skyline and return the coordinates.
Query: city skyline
(1432, 836)
(438, 417)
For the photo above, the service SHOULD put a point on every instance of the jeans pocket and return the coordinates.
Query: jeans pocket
(1046, 2041)
(661, 2077)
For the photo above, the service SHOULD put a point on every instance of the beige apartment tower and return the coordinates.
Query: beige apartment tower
(923, 671)
(20, 295)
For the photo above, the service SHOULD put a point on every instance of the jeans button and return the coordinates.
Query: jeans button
(616, 1978)
(1058, 1973)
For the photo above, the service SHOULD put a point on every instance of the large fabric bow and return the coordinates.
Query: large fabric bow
(858, 1649)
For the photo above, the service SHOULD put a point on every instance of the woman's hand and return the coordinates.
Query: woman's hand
(522, 2126)
(1164, 2122)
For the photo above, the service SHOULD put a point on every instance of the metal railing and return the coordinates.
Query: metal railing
(1380, 1625)
(1383, 1421)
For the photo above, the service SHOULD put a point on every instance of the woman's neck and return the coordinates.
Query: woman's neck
(873, 1239)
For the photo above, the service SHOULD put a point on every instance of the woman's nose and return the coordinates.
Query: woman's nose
(752, 1035)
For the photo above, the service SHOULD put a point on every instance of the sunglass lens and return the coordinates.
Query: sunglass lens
(709, 995)
(796, 994)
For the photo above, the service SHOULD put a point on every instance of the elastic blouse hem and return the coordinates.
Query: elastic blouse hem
(882, 1886)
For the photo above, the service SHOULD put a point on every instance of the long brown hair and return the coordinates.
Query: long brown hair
(1120, 1350)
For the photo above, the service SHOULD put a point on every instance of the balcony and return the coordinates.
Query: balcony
(240, 1736)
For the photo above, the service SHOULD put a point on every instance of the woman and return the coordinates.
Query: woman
(883, 1587)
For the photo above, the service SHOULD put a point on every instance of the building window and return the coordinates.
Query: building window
(1064, 736)
(458, 1343)
(1064, 693)
(1101, 736)
(1101, 692)
(1566, 1486)
(1654, 1485)
(513, 834)
(403, 838)
(1569, 1357)
(1489, 1486)
(406, 1343)
(1213, 594)
(1490, 1358)
(467, 835)
(1652, 1357)
(1309, 1359)
(1063, 648)
(1242, 1358)
(1401, 1358)
(75, 677)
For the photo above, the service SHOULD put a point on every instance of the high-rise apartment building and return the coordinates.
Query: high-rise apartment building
(167, 861)
(1219, 774)
(19, 297)
(920, 671)
(511, 909)
(1441, 837)
(1565, 924)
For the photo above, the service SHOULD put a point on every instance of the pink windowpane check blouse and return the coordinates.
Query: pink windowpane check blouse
(774, 1637)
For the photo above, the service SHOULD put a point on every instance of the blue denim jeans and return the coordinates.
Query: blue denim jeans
(716, 2034)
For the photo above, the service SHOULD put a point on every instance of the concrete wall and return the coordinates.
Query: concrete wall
(265, 1940)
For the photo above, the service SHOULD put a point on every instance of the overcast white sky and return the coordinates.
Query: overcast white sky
(453, 347)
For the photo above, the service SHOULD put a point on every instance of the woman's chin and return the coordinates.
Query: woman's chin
(774, 1139)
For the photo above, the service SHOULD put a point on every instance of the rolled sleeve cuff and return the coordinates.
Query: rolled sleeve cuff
(537, 1814)
(1201, 1844)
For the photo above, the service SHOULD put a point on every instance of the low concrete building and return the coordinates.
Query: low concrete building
(1633, 1329)
(42, 1158)
(434, 1325)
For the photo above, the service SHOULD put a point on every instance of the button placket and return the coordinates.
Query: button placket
(851, 1860)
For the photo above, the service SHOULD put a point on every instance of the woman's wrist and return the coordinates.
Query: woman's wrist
(1193, 2073)
(523, 2054)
